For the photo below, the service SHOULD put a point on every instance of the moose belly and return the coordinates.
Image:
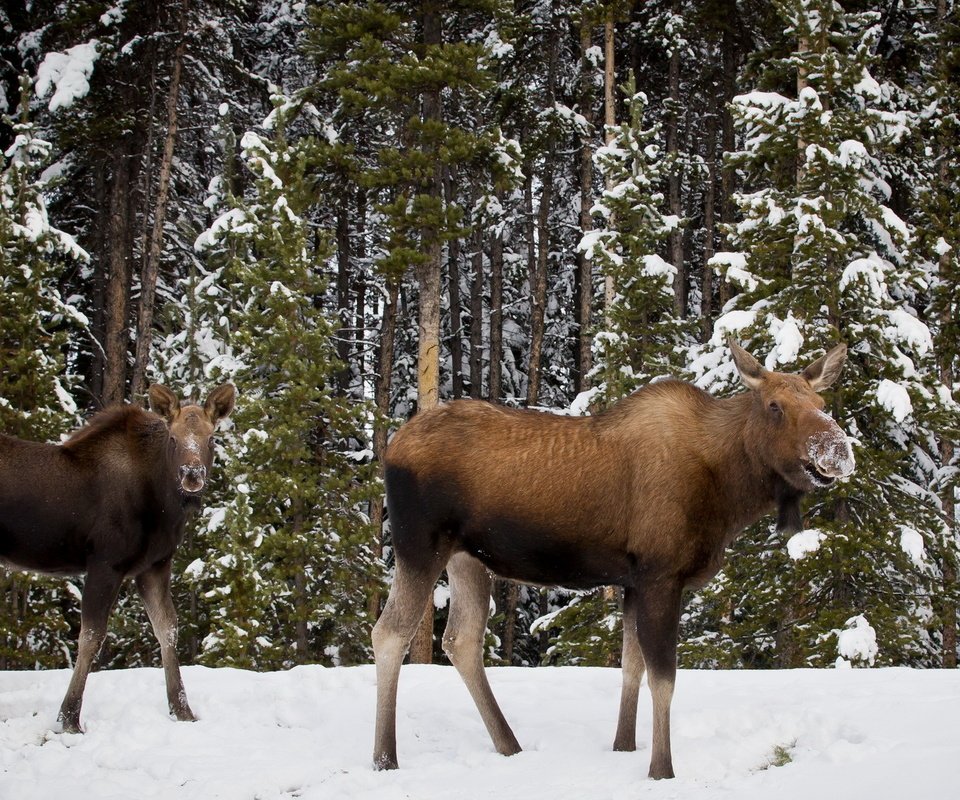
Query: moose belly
(523, 551)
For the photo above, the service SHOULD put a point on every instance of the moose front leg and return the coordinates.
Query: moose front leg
(100, 590)
(658, 622)
(154, 588)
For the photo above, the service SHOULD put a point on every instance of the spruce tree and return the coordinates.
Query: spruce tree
(297, 560)
(822, 258)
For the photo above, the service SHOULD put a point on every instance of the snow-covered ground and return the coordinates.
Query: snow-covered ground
(307, 733)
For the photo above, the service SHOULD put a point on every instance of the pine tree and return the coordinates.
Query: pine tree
(937, 252)
(297, 546)
(644, 337)
(823, 257)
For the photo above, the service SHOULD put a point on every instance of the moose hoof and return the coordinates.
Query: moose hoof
(660, 774)
(625, 746)
(383, 762)
(70, 724)
(184, 715)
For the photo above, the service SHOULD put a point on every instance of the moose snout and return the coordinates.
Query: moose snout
(831, 454)
(193, 477)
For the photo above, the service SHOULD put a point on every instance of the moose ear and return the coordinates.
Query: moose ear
(163, 402)
(751, 373)
(220, 402)
(826, 369)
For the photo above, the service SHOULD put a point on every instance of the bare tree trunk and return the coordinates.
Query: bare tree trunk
(709, 220)
(301, 607)
(360, 290)
(344, 274)
(428, 355)
(495, 384)
(584, 275)
(456, 317)
(610, 119)
(119, 277)
(673, 183)
(151, 266)
(98, 366)
(538, 268)
(502, 589)
(727, 143)
(476, 317)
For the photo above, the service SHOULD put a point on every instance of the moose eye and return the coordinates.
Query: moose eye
(775, 409)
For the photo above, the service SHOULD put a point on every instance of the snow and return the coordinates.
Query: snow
(788, 341)
(870, 271)
(911, 542)
(308, 733)
(69, 72)
(894, 398)
(804, 543)
(858, 641)
(906, 328)
(734, 267)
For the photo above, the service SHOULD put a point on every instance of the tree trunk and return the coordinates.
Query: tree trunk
(476, 317)
(456, 317)
(301, 607)
(538, 267)
(119, 243)
(709, 220)
(584, 279)
(360, 291)
(673, 183)
(495, 381)
(610, 119)
(727, 143)
(344, 274)
(428, 278)
(151, 265)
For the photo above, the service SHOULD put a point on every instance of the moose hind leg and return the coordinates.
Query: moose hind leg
(154, 588)
(391, 640)
(657, 629)
(100, 590)
(632, 668)
(463, 643)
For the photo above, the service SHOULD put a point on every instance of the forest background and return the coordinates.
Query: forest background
(352, 210)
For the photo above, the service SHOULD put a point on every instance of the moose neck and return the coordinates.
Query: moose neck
(733, 450)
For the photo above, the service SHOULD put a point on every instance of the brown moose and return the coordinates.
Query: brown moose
(645, 495)
(112, 502)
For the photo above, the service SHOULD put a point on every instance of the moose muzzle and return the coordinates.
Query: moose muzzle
(193, 477)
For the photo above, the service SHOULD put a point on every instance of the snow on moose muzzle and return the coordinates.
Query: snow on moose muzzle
(831, 456)
(193, 478)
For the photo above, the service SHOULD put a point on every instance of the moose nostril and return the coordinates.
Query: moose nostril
(192, 477)
(835, 458)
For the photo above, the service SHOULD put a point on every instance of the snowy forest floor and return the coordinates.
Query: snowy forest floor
(308, 733)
